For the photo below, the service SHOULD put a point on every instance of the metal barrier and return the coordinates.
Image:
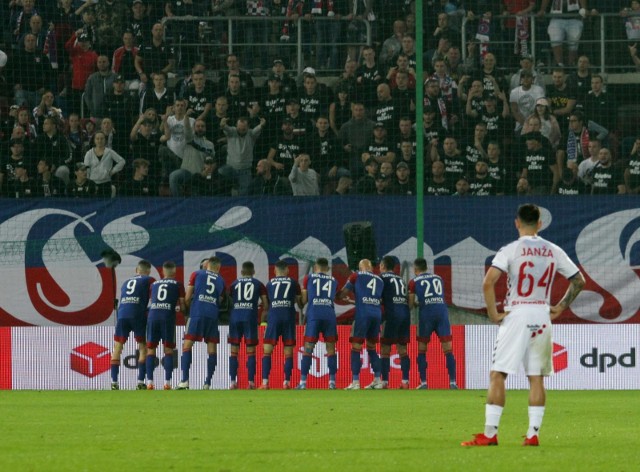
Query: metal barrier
(230, 32)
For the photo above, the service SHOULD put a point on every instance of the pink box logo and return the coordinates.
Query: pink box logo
(90, 359)
(560, 357)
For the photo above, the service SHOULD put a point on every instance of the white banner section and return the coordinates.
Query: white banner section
(585, 357)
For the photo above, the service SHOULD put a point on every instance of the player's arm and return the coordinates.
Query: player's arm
(412, 301)
(183, 305)
(488, 288)
(188, 296)
(576, 284)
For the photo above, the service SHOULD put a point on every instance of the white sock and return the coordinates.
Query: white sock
(492, 415)
(535, 420)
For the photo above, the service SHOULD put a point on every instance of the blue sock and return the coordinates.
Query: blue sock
(356, 364)
(451, 366)
(251, 367)
(142, 370)
(151, 364)
(115, 370)
(212, 362)
(288, 368)
(266, 366)
(405, 366)
(233, 367)
(167, 363)
(374, 362)
(332, 363)
(422, 366)
(385, 367)
(305, 366)
(185, 364)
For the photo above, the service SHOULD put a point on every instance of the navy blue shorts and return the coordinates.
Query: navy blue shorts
(439, 323)
(277, 327)
(365, 327)
(125, 326)
(243, 329)
(327, 327)
(203, 328)
(161, 329)
(396, 330)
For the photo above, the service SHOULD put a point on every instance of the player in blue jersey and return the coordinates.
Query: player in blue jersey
(426, 291)
(318, 293)
(367, 288)
(167, 294)
(246, 293)
(203, 297)
(132, 316)
(283, 293)
(397, 322)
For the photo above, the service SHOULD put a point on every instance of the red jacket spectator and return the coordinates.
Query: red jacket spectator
(83, 59)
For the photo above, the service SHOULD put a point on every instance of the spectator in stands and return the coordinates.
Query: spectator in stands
(578, 138)
(284, 149)
(354, 136)
(8, 164)
(348, 78)
(314, 97)
(23, 120)
(102, 163)
(368, 76)
(83, 61)
(402, 183)
(495, 119)
(35, 28)
(111, 21)
(47, 184)
(475, 148)
(214, 130)
(497, 167)
(632, 170)
(20, 18)
(178, 125)
(462, 187)
(402, 65)
(256, 33)
(562, 29)
(199, 97)
(344, 186)
(455, 164)
(304, 180)
(120, 106)
(492, 79)
(117, 141)
(21, 186)
(233, 70)
(139, 184)
(327, 31)
(237, 97)
(53, 146)
(482, 183)
(326, 152)
(570, 184)
(432, 129)
(157, 97)
(542, 120)
(523, 99)
(46, 109)
(407, 154)
(193, 157)
(81, 186)
(538, 166)
(272, 103)
(562, 97)
(438, 184)
(208, 182)
(28, 71)
(387, 110)
(124, 60)
(145, 143)
(366, 185)
(434, 100)
(404, 132)
(585, 168)
(607, 179)
(526, 64)
(139, 24)
(392, 46)
(240, 143)
(301, 126)
(599, 106)
(340, 108)
(289, 86)
(154, 56)
(380, 147)
(516, 29)
(266, 183)
(581, 79)
(76, 137)
(98, 86)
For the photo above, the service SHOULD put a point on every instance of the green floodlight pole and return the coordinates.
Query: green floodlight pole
(419, 132)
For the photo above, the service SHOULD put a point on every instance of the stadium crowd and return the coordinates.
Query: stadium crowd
(98, 99)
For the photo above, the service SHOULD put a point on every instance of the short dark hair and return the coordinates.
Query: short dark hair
(144, 265)
(420, 263)
(281, 265)
(169, 265)
(388, 262)
(247, 268)
(529, 214)
(322, 262)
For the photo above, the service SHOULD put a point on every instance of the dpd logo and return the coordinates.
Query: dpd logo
(560, 358)
(90, 359)
(604, 360)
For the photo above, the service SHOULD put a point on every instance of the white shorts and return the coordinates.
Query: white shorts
(524, 338)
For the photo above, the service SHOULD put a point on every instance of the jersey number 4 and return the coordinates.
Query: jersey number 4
(526, 281)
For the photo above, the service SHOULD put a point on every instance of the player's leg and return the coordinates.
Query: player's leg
(115, 363)
(185, 361)
(234, 346)
(537, 399)
(450, 360)
(169, 343)
(268, 343)
(288, 333)
(142, 361)
(357, 338)
(212, 338)
(385, 361)
(538, 362)
(251, 340)
(402, 339)
(425, 329)
(153, 339)
(373, 335)
(311, 333)
(330, 335)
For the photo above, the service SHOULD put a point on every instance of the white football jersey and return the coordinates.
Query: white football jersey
(531, 264)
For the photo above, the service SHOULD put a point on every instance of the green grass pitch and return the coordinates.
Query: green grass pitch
(389, 430)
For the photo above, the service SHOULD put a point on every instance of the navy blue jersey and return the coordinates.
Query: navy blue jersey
(429, 291)
(367, 288)
(321, 292)
(208, 288)
(165, 294)
(134, 297)
(245, 293)
(282, 293)
(394, 295)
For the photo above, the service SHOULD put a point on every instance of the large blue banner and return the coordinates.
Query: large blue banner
(53, 274)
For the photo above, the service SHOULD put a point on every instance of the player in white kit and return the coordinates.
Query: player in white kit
(524, 336)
